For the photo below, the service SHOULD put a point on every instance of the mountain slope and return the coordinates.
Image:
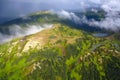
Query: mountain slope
(61, 53)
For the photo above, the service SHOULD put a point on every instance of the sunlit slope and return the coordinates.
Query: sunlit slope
(60, 53)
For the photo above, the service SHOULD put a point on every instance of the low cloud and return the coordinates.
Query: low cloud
(18, 31)
(110, 22)
(112, 19)
(107, 23)
(68, 15)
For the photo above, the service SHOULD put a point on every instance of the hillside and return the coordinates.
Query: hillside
(65, 51)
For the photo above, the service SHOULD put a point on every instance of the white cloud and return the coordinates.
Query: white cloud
(96, 1)
(18, 31)
(67, 15)
(112, 20)
(111, 7)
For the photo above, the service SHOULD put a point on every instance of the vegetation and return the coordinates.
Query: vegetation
(84, 57)
(60, 53)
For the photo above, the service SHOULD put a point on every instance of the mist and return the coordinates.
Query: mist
(10, 9)
(16, 31)
(68, 15)
(112, 19)
(110, 22)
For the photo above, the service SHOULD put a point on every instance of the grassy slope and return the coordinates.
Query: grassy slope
(60, 53)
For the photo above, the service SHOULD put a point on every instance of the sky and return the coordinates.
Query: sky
(16, 8)
(10, 9)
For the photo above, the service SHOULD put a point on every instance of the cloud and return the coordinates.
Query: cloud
(18, 31)
(107, 23)
(96, 1)
(67, 15)
(110, 22)
(112, 19)
(15, 8)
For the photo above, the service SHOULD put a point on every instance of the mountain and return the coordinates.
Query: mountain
(62, 50)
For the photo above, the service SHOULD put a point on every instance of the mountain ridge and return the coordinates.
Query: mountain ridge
(61, 52)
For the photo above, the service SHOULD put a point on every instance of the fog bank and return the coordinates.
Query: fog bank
(18, 31)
